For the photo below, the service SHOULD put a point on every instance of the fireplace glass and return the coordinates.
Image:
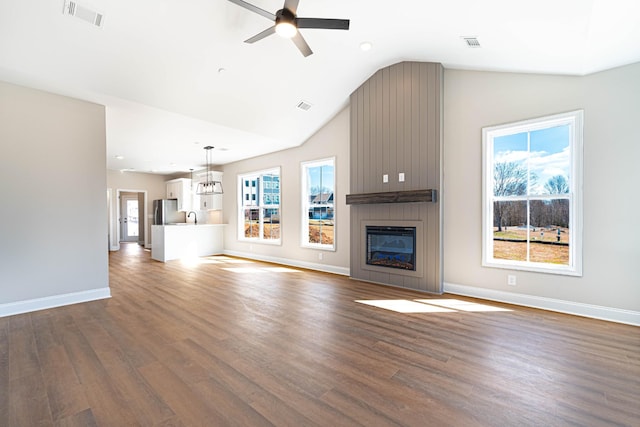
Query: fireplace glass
(392, 247)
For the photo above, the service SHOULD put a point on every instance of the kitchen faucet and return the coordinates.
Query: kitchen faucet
(194, 216)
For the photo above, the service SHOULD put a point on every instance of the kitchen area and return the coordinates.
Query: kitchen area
(188, 222)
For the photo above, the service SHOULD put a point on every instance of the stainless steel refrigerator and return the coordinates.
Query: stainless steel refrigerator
(166, 212)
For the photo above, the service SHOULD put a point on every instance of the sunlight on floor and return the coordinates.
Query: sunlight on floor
(234, 260)
(214, 259)
(253, 270)
(449, 305)
(462, 305)
(405, 306)
(221, 259)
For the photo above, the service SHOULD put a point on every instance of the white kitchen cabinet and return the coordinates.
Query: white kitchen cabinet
(180, 189)
(211, 202)
(169, 242)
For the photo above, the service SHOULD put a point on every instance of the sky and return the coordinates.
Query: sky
(549, 155)
(327, 176)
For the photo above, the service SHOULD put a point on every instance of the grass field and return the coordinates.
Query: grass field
(270, 231)
(320, 231)
(539, 252)
(315, 227)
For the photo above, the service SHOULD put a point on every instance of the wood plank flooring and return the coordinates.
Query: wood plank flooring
(231, 342)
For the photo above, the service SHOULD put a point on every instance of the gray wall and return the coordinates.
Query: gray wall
(611, 103)
(396, 128)
(331, 141)
(53, 190)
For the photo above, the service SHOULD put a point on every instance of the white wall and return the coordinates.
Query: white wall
(53, 238)
(332, 140)
(611, 103)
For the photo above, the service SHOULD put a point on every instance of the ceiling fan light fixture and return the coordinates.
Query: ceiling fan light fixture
(286, 29)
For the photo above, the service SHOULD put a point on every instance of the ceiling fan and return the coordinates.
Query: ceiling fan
(287, 24)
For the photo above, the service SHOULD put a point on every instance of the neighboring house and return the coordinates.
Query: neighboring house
(321, 206)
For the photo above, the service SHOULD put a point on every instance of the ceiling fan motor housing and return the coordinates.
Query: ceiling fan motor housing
(286, 16)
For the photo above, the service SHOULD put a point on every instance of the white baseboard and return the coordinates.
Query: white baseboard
(27, 306)
(344, 271)
(579, 309)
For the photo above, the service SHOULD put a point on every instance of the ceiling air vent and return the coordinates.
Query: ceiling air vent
(304, 106)
(74, 9)
(471, 42)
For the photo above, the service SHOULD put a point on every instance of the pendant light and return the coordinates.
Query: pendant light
(209, 186)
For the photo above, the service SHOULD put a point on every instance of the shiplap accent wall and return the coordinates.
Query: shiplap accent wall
(396, 127)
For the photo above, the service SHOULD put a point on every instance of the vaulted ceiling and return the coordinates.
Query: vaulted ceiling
(176, 76)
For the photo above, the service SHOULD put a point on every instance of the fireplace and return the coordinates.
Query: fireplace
(391, 246)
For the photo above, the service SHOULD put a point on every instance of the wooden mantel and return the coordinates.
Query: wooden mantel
(409, 196)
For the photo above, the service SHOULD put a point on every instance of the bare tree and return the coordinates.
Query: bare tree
(559, 208)
(509, 179)
(557, 185)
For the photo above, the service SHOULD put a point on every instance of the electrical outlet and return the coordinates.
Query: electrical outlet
(401, 177)
(385, 178)
(511, 280)
(320, 254)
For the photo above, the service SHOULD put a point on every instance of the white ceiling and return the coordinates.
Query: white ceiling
(155, 63)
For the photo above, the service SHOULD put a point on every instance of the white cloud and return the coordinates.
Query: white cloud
(541, 163)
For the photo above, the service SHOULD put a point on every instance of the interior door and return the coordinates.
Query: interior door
(129, 218)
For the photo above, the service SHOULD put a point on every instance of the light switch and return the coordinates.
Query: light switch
(385, 178)
(401, 177)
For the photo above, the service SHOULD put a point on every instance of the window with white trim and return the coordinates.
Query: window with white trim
(259, 206)
(318, 207)
(532, 195)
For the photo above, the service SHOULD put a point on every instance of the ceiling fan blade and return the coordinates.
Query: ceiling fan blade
(255, 9)
(292, 5)
(326, 24)
(260, 36)
(302, 45)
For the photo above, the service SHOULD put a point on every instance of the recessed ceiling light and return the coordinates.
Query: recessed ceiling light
(221, 70)
(365, 46)
(119, 157)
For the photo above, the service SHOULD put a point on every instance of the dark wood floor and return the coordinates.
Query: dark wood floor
(236, 343)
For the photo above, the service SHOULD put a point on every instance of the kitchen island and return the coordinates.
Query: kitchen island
(179, 241)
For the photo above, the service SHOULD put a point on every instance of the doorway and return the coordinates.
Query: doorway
(130, 220)
(122, 207)
(117, 211)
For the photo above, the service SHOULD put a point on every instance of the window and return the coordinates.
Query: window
(532, 195)
(259, 213)
(318, 209)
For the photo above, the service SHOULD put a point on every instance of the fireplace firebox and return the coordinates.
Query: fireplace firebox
(393, 247)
